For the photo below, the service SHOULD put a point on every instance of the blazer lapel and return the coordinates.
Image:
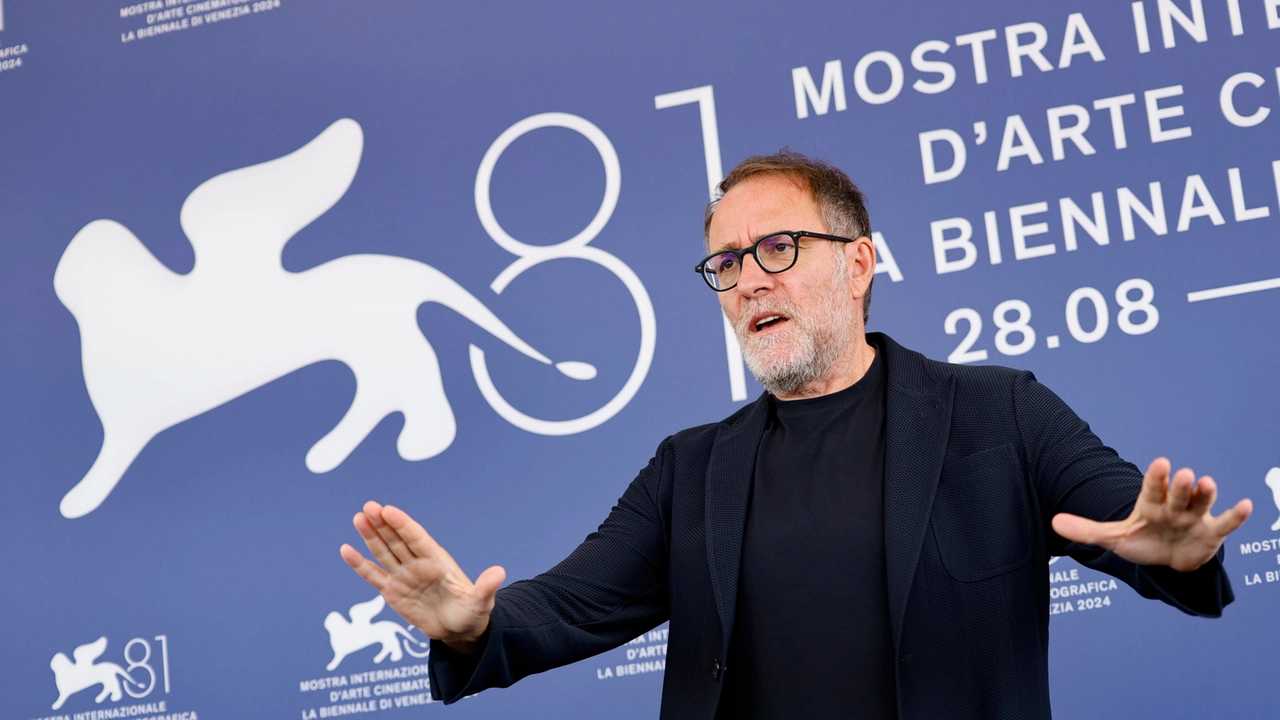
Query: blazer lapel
(729, 473)
(917, 422)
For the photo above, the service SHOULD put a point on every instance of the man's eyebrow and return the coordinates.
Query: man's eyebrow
(723, 247)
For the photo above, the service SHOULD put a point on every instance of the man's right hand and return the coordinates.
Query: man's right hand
(420, 580)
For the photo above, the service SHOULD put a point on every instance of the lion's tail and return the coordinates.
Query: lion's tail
(405, 633)
(127, 677)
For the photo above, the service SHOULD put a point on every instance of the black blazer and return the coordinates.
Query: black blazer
(977, 461)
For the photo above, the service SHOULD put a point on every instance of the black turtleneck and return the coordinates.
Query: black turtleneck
(811, 638)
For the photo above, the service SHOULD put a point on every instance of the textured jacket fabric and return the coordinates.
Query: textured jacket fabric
(977, 462)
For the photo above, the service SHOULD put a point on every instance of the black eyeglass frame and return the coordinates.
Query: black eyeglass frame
(753, 249)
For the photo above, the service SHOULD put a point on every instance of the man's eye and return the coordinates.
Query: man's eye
(779, 247)
(724, 263)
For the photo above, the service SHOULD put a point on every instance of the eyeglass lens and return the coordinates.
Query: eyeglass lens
(774, 253)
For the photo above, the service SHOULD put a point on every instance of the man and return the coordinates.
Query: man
(869, 539)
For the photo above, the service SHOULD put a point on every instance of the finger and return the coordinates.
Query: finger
(489, 581)
(1086, 531)
(1180, 490)
(1229, 521)
(416, 536)
(1205, 495)
(389, 534)
(377, 546)
(1155, 482)
(373, 574)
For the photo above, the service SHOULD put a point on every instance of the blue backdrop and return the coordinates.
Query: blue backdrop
(1088, 190)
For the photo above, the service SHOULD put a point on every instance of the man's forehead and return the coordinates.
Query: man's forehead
(762, 205)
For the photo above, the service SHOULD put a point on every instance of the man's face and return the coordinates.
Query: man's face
(795, 325)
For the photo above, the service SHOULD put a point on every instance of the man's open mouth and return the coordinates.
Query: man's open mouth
(764, 322)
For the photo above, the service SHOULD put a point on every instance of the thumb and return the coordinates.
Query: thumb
(1084, 530)
(488, 583)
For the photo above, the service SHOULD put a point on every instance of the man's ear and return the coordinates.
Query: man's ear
(861, 257)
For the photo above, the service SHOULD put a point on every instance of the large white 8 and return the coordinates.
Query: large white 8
(576, 248)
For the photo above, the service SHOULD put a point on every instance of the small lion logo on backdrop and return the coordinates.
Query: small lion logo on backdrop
(1273, 482)
(72, 677)
(348, 636)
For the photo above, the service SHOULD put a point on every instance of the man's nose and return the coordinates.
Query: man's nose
(753, 279)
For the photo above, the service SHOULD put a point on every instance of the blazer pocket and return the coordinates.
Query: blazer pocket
(981, 515)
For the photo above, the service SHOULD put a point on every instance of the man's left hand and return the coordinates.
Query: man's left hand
(1170, 523)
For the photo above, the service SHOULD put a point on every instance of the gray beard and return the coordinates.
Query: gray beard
(787, 362)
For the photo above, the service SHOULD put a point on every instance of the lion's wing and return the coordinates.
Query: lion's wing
(362, 613)
(87, 653)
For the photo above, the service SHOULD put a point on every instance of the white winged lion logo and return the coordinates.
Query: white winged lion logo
(159, 347)
(72, 677)
(346, 637)
(1273, 482)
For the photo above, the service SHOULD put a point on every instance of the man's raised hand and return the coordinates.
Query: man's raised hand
(1170, 523)
(420, 580)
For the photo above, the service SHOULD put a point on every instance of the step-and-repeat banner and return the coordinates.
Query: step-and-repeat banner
(263, 260)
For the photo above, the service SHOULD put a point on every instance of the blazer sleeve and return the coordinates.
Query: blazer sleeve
(609, 590)
(1074, 472)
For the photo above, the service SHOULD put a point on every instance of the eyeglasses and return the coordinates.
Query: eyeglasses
(773, 253)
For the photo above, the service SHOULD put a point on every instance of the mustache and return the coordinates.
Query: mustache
(742, 326)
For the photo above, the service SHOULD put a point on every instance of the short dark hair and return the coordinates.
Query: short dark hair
(840, 202)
